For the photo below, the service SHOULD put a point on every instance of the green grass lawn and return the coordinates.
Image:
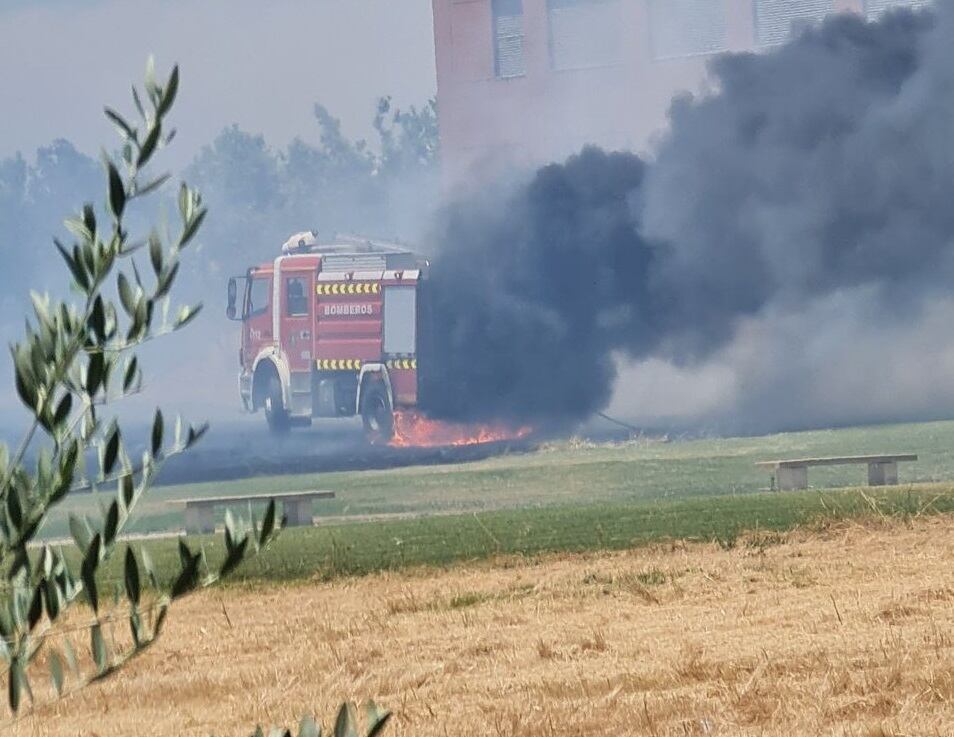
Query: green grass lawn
(570, 474)
(359, 548)
(569, 497)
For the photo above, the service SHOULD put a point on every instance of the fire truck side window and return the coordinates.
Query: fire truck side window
(258, 296)
(296, 297)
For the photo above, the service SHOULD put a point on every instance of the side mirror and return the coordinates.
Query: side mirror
(233, 294)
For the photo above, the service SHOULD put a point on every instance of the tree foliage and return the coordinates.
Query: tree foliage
(261, 195)
(75, 359)
(30, 192)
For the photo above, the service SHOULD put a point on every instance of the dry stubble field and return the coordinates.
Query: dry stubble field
(844, 631)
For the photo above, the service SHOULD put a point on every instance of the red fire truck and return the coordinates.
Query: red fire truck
(329, 329)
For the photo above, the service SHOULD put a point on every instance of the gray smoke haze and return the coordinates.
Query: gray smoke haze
(838, 361)
(259, 64)
(254, 191)
(789, 243)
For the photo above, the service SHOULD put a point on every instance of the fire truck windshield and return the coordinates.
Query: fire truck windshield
(258, 291)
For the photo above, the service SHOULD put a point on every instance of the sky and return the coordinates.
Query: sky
(259, 63)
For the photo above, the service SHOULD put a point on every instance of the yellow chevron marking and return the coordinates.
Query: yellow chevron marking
(402, 364)
(338, 364)
(348, 288)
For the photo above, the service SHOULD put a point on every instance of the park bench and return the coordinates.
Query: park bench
(793, 474)
(199, 513)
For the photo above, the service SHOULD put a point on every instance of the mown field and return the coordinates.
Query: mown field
(649, 588)
(846, 629)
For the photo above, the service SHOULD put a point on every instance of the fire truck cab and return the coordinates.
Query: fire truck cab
(329, 329)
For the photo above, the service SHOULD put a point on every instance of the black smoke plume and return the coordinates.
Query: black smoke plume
(529, 297)
(823, 166)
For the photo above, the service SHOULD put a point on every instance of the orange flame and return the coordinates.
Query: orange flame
(414, 430)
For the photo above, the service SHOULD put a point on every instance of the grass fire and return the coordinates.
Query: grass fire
(416, 430)
(430, 478)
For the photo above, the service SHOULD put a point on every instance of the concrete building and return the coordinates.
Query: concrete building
(526, 81)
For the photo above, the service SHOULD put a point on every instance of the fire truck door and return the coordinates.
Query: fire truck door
(257, 324)
(297, 316)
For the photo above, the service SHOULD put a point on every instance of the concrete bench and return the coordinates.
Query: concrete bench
(199, 513)
(793, 474)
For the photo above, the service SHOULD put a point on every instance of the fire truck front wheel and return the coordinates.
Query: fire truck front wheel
(377, 416)
(275, 413)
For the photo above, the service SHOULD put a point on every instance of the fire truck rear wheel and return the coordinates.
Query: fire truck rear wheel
(275, 413)
(377, 416)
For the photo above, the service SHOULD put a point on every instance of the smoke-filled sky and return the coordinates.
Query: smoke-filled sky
(783, 259)
(260, 64)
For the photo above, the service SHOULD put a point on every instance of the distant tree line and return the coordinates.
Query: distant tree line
(257, 194)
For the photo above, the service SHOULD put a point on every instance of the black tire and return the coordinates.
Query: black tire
(275, 413)
(377, 416)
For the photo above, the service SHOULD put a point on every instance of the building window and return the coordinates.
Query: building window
(777, 21)
(874, 8)
(687, 27)
(508, 38)
(584, 33)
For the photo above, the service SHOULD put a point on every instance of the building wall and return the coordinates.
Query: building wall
(544, 102)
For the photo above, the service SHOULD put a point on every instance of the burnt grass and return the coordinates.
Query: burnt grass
(241, 463)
